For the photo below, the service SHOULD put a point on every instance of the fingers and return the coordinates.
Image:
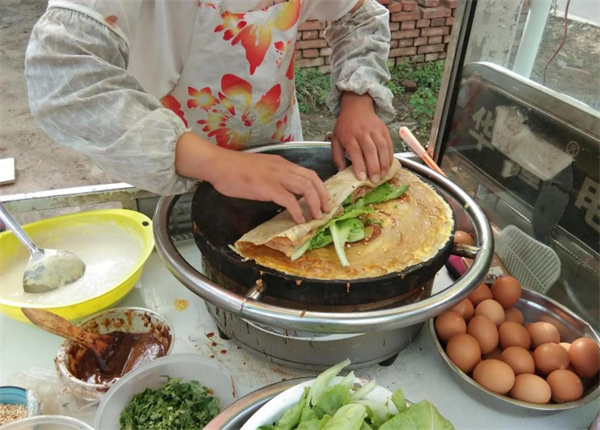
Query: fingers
(288, 200)
(353, 148)
(300, 185)
(338, 153)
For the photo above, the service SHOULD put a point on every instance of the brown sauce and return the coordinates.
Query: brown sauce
(128, 351)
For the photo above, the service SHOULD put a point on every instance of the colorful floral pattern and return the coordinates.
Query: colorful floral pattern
(201, 99)
(230, 120)
(256, 37)
(280, 131)
(171, 102)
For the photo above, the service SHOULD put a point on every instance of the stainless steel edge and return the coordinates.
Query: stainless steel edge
(235, 415)
(324, 322)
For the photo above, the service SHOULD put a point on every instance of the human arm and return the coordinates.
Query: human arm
(83, 97)
(359, 97)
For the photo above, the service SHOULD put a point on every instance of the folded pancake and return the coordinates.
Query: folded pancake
(399, 233)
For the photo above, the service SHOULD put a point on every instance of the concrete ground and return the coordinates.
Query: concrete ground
(41, 164)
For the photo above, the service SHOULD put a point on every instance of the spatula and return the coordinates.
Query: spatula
(99, 344)
(47, 269)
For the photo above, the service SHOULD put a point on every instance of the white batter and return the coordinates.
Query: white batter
(109, 252)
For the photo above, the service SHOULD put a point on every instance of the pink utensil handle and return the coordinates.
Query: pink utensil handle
(418, 149)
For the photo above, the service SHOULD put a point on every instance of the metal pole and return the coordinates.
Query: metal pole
(532, 36)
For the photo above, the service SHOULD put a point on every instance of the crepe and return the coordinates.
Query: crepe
(404, 232)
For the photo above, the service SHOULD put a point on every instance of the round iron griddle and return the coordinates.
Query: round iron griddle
(219, 221)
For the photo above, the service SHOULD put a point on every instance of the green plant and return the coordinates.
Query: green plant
(423, 102)
(312, 88)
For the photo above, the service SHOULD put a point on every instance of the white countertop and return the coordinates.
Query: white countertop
(418, 369)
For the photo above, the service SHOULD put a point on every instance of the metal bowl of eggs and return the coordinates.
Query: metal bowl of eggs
(520, 348)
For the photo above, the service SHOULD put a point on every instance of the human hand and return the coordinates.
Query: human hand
(262, 177)
(363, 136)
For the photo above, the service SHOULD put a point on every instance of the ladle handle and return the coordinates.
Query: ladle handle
(59, 326)
(20, 234)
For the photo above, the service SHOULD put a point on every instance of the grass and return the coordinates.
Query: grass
(428, 77)
(312, 88)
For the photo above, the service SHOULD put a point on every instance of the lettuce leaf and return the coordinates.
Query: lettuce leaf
(324, 406)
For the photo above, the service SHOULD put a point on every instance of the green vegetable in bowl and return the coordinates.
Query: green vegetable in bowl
(174, 406)
(324, 406)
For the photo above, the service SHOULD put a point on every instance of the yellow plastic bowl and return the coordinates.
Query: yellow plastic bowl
(135, 226)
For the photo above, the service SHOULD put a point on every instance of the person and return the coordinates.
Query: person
(145, 88)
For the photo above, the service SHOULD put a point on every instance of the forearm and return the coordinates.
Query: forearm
(360, 50)
(83, 97)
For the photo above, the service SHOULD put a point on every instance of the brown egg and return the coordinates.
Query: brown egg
(513, 334)
(463, 237)
(496, 354)
(465, 309)
(531, 388)
(513, 314)
(519, 359)
(506, 291)
(549, 357)
(464, 351)
(481, 293)
(585, 357)
(448, 324)
(542, 332)
(491, 309)
(566, 386)
(495, 375)
(485, 332)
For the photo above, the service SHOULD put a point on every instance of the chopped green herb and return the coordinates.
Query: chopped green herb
(176, 405)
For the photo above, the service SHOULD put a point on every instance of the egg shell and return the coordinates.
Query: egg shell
(542, 332)
(506, 290)
(495, 375)
(549, 357)
(448, 324)
(513, 314)
(519, 359)
(565, 345)
(513, 334)
(464, 351)
(485, 332)
(465, 309)
(584, 354)
(566, 386)
(531, 388)
(481, 293)
(491, 309)
(463, 237)
(495, 354)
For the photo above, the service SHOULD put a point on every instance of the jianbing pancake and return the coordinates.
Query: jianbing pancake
(400, 233)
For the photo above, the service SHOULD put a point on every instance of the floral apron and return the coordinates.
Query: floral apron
(237, 85)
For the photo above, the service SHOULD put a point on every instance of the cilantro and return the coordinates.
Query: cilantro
(176, 405)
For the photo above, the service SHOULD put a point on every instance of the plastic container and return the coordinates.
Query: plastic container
(136, 229)
(47, 422)
(188, 367)
(11, 395)
(130, 320)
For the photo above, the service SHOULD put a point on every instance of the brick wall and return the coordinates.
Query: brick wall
(420, 32)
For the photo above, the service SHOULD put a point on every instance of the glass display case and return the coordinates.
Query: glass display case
(528, 153)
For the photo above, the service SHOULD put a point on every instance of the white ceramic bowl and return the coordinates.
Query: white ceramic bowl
(188, 367)
(47, 422)
(129, 320)
(274, 409)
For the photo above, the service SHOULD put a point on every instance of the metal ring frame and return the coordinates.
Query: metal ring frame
(334, 322)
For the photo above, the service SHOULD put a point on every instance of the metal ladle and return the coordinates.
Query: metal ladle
(47, 269)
